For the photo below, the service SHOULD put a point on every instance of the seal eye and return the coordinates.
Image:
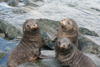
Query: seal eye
(68, 22)
(27, 25)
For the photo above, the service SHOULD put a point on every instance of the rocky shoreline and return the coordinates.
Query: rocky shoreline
(49, 28)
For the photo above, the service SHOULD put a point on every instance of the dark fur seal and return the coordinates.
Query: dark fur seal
(70, 56)
(29, 48)
(69, 29)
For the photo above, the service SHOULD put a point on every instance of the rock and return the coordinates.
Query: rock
(2, 35)
(31, 2)
(2, 54)
(88, 46)
(6, 0)
(20, 10)
(28, 65)
(13, 3)
(2, 0)
(49, 30)
(85, 31)
(8, 48)
(9, 30)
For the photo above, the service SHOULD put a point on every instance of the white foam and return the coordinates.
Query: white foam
(5, 5)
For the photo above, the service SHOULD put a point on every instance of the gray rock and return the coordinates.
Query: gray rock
(49, 30)
(2, 0)
(85, 31)
(31, 2)
(9, 30)
(13, 3)
(28, 65)
(2, 35)
(88, 46)
(20, 10)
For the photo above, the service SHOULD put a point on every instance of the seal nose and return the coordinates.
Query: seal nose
(34, 26)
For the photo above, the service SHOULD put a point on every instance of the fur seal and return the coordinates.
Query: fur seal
(69, 29)
(69, 56)
(29, 47)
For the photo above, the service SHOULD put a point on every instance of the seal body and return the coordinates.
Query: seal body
(70, 56)
(69, 29)
(29, 47)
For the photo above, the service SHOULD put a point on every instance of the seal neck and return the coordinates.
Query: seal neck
(32, 37)
(74, 58)
(70, 30)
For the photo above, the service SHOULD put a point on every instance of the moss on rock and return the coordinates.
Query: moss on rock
(85, 31)
(2, 54)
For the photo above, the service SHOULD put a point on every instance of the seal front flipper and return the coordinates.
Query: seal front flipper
(32, 59)
(45, 57)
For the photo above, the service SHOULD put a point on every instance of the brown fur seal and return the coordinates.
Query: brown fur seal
(69, 29)
(29, 48)
(70, 56)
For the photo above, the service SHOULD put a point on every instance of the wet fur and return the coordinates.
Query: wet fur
(71, 34)
(27, 51)
(74, 58)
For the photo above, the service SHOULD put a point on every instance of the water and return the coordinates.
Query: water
(85, 12)
(6, 43)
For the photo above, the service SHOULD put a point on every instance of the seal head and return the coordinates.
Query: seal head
(68, 25)
(63, 45)
(30, 26)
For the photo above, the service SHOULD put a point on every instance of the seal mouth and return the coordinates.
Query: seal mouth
(34, 28)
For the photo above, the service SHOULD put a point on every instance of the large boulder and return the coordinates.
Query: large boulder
(49, 30)
(9, 30)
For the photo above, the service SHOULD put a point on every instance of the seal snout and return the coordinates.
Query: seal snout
(34, 26)
(63, 43)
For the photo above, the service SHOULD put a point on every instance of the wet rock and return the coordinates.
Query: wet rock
(2, 35)
(2, 0)
(2, 54)
(9, 30)
(13, 3)
(49, 30)
(31, 2)
(51, 27)
(88, 46)
(20, 10)
(28, 65)
(85, 31)
(6, 0)
(8, 48)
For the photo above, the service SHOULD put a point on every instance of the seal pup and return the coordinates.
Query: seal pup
(69, 29)
(69, 56)
(28, 50)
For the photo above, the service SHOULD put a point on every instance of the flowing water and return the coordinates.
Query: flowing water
(85, 12)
